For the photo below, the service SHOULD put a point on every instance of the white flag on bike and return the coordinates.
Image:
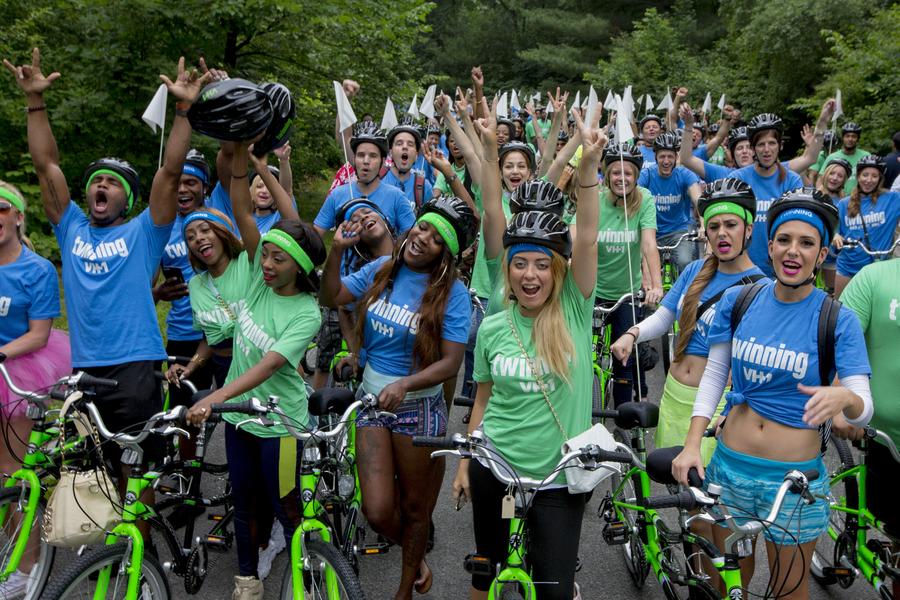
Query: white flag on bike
(389, 119)
(838, 107)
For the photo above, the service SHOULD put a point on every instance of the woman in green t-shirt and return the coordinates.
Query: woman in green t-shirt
(626, 236)
(547, 323)
(275, 320)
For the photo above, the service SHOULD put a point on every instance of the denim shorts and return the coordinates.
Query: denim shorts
(749, 485)
(418, 416)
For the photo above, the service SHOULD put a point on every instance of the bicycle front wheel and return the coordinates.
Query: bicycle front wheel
(326, 575)
(633, 547)
(836, 547)
(79, 580)
(38, 551)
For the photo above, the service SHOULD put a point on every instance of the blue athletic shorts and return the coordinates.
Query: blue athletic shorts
(749, 485)
(420, 416)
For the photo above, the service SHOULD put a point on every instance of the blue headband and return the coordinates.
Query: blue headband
(202, 215)
(357, 205)
(801, 214)
(517, 248)
(195, 171)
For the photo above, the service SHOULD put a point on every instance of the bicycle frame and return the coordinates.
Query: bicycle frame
(514, 571)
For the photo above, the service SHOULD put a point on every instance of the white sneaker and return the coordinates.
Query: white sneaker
(577, 593)
(267, 556)
(15, 586)
(247, 588)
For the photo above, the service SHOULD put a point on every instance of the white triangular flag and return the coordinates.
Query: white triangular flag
(707, 103)
(640, 100)
(649, 105)
(536, 97)
(628, 100)
(623, 121)
(155, 114)
(346, 117)
(389, 120)
(514, 101)
(503, 106)
(666, 103)
(838, 107)
(427, 106)
(577, 99)
(549, 107)
(610, 100)
(413, 109)
(721, 104)
(592, 103)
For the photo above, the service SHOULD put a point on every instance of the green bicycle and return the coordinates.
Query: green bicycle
(601, 356)
(847, 551)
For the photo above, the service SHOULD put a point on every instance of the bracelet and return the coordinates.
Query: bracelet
(631, 333)
(452, 178)
(196, 358)
(182, 106)
(240, 176)
(31, 109)
(595, 184)
(181, 113)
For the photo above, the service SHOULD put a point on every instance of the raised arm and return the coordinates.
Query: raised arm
(241, 204)
(584, 251)
(473, 162)
(41, 143)
(286, 174)
(164, 193)
(478, 85)
(437, 160)
(559, 113)
(685, 153)
(493, 223)
(730, 116)
(813, 139)
(672, 116)
(283, 202)
(333, 293)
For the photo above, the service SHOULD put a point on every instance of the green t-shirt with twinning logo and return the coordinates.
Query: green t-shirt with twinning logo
(211, 295)
(267, 322)
(874, 295)
(517, 419)
(614, 240)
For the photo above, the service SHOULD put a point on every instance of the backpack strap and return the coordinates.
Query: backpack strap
(743, 281)
(828, 318)
(745, 298)
(419, 190)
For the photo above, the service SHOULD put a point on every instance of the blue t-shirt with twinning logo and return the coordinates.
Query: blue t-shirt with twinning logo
(674, 301)
(179, 321)
(649, 154)
(29, 291)
(881, 221)
(392, 320)
(766, 190)
(220, 199)
(393, 204)
(775, 348)
(106, 276)
(408, 187)
(674, 208)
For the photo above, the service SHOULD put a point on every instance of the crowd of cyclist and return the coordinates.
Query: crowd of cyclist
(506, 208)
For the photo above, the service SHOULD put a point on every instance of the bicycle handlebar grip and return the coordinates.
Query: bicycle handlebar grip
(602, 455)
(811, 474)
(463, 401)
(180, 360)
(683, 500)
(694, 479)
(58, 395)
(433, 442)
(344, 374)
(245, 407)
(605, 414)
(87, 381)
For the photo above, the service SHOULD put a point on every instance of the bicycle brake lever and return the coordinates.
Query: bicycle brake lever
(170, 429)
(256, 420)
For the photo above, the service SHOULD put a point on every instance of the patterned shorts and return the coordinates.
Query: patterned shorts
(419, 416)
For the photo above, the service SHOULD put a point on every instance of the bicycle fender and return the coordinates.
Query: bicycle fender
(512, 574)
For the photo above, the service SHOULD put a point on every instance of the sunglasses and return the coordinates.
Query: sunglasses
(5, 207)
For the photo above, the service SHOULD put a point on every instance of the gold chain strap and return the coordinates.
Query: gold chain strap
(534, 372)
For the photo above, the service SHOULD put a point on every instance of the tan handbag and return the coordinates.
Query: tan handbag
(84, 505)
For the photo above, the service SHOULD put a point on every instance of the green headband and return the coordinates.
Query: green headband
(125, 185)
(444, 228)
(13, 199)
(731, 208)
(289, 245)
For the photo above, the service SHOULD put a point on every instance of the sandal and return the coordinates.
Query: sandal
(422, 585)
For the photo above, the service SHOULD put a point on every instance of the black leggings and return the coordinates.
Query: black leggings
(625, 376)
(554, 530)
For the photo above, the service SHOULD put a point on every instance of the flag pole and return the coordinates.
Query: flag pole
(162, 133)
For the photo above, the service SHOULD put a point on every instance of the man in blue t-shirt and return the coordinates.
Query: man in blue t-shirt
(404, 142)
(676, 191)
(108, 262)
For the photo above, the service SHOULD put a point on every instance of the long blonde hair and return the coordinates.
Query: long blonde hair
(550, 334)
(822, 181)
(632, 200)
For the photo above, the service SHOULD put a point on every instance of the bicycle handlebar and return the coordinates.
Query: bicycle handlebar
(124, 439)
(605, 310)
(854, 243)
(872, 433)
(692, 236)
(80, 381)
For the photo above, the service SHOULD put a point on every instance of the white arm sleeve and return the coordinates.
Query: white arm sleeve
(655, 325)
(712, 384)
(859, 385)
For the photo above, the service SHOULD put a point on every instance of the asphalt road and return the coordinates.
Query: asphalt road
(603, 573)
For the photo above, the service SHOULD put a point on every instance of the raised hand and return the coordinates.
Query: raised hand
(187, 84)
(442, 104)
(283, 153)
(681, 93)
(477, 77)
(346, 235)
(29, 77)
(462, 101)
(437, 160)
(214, 74)
(259, 164)
(351, 88)
(558, 101)
(686, 114)
(807, 135)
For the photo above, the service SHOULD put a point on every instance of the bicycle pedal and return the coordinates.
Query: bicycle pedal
(838, 572)
(615, 533)
(477, 564)
(166, 489)
(213, 517)
(880, 547)
(218, 542)
(373, 549)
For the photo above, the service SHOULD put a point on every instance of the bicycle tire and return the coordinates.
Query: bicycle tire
(597, 399)
(633, 549)
(75, 581)
(827, 553)
(321, 556)
(511, 594)
(9, 535)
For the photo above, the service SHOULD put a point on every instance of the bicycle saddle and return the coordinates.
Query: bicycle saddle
(659, 464)
(637, 414)
(334, 400)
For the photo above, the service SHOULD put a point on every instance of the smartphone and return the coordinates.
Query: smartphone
(173, 273)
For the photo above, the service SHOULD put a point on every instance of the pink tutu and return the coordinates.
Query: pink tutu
(36, 371)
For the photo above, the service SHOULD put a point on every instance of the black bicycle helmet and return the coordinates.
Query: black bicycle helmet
(871, 161)
(807, 198)
(765, 122)
(460, 216)
(272, 169)
(516, 146)
(407, 125)
(537, 194)
(667, 141)
(731, 190)
(624, 151)
(195, 158)
(844, 164)
(649, 118)
(828, 140)
(509, 125)
(123, 168)
(851, 127)
(699, 126)
(737, 135)
(368, 132)
(434, 128)
(540, 228)
(714, 128)
(232, 110)
(284, 111)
